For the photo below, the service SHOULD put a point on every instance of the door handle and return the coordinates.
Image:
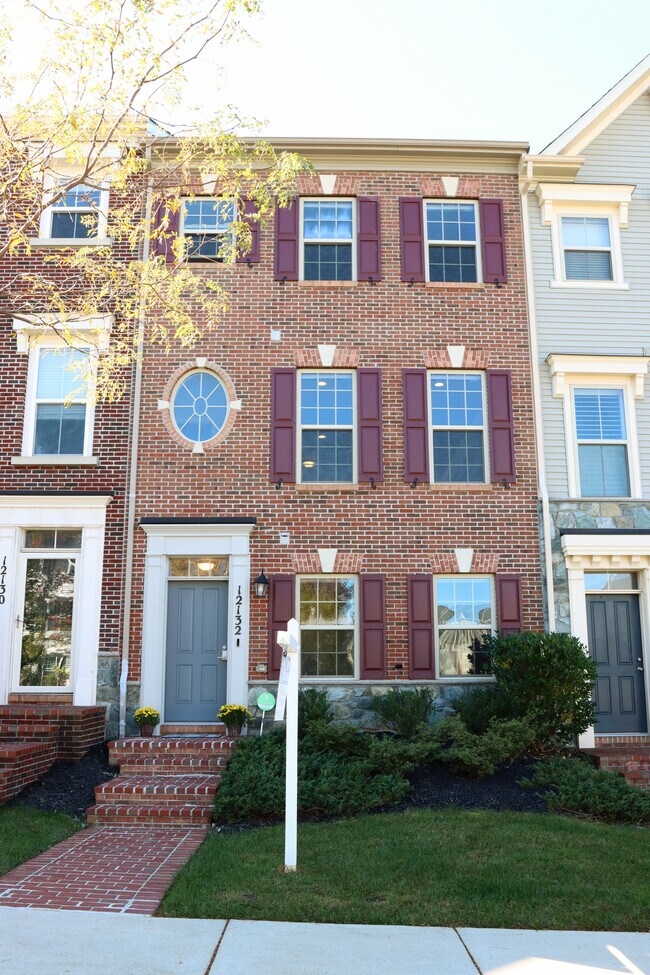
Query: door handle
(224, 652)
(640, 668)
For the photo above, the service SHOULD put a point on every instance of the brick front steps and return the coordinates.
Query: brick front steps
(35, 735)
(163, 781)
(630, 756)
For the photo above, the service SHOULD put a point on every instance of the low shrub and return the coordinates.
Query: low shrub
(406, 711)
(313, 705)
(340, 771)
(574, 785)
(478, 755)
(477, 706)
(548, 678)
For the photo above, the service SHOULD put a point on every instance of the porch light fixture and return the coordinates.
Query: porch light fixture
(205, 566)
(261, 585)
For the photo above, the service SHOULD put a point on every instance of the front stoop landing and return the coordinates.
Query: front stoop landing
(629, 755)
(163, 781)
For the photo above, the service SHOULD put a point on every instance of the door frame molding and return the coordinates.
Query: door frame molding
(598, 552)
(88, 512)
(199, 539)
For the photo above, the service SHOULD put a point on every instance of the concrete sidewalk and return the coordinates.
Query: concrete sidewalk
(52, 942)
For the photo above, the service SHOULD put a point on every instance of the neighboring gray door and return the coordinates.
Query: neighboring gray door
(615, 645)
(197, 618)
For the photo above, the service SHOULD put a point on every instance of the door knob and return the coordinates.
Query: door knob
(224, 652)
(640, 668)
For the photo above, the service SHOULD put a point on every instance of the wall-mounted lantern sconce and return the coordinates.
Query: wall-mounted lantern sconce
(261, 585)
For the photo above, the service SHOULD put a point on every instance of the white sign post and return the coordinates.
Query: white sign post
(289, 640)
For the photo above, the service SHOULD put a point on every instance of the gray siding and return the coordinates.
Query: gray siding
(599, 322)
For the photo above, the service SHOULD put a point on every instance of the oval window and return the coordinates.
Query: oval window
(199, 406)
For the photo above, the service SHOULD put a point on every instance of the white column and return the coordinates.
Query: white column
(87, 603)
(154, 616)
(580, 628)
(8, 574)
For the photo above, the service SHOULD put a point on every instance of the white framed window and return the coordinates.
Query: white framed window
(601, 441)
(48, 573)
(199, 406)
(458, 427)
(327, 611)
(587, 248)
(452, 241)
(327, 428)
(464, 613)
(206, 224)
(600, 422)
(586, 222)
(59, 411)
(328, 239)
(78, 217)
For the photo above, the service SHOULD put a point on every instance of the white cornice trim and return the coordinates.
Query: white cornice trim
(564, 367)
(31, 327)
(599, 551)
(615, 195)
(200, 530)
(55, 501)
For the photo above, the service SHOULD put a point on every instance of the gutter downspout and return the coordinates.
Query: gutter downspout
(537, 400)
(133, 467)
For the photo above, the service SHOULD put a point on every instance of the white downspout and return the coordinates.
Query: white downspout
(537, 401)
(133, 466)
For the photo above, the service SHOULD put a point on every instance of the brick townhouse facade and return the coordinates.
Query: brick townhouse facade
(63, 471)
(358, 431)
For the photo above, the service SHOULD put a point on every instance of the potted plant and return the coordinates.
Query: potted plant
(146, 720)
(234, 716)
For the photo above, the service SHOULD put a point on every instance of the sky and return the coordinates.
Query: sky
(423, 69)
(427, 69)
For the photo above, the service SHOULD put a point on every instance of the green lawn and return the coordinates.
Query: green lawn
(26, 832)
(451, 867)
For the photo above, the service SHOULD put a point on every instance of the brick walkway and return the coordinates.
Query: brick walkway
(123, 870)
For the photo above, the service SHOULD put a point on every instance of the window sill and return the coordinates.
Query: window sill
(326, 284)
(55, 460)
(327, 487)
(458, 285)
(591, 285)
(461, 487)
(44, 242)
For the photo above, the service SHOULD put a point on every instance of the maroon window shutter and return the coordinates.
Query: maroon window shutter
(286, 241)
(283, 424)
(493, 244)
(509, 609)
(416, 425)
(411, 221)
(421, 629)
(500, 419)
(162, 246)
(282, 590)
(371, 459)
(249, 209)
(368, 239)
(372, 593)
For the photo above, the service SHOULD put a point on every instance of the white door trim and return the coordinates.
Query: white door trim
(169, 540)
(18, 512)
(598, 552)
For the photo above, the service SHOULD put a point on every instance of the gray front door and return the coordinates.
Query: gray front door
(615, 645)
(197, 619)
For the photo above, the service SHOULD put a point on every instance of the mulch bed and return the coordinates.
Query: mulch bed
(435, 787)
(68, 787)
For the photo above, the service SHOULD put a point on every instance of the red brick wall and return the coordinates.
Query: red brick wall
(394, 529)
